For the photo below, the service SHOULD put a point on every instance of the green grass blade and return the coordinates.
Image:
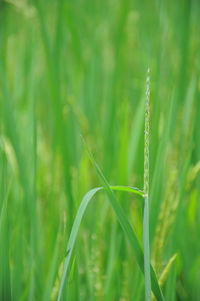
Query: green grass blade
(84, 203)
(127, 229)
(5, 285)
(127, 189)
(124, 223)
(132, 238)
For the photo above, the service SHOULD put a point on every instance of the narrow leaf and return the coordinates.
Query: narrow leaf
(127, 229)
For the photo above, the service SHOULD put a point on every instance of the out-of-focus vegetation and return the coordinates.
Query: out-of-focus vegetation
(71, 67)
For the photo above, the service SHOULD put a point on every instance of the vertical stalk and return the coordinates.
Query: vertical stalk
(147, 276)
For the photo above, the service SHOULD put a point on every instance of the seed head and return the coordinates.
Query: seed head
(146, 136)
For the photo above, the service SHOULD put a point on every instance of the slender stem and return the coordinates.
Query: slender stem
(147, 274)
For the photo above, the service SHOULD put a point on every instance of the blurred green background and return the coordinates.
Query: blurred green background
(79, 67)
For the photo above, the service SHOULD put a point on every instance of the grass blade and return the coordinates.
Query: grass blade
(128, 230)
(84, 203)
(5, 285)
(127, 189)
(124, 223)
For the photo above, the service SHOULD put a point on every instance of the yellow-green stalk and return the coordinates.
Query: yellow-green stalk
(147, 276)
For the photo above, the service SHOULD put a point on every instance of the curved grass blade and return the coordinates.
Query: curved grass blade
(128, 189)
(84, 203)
(88, 196)
(129, 231)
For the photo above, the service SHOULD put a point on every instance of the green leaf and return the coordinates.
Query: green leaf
(129, 231)
(84, 203)
(125, 225)
(128, 189)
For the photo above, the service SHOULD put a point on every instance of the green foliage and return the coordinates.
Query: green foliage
(71, 67)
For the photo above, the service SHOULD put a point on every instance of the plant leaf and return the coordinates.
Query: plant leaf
(129, 231)
(84, 203)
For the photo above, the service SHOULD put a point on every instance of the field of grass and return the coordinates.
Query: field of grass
(73, 81)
